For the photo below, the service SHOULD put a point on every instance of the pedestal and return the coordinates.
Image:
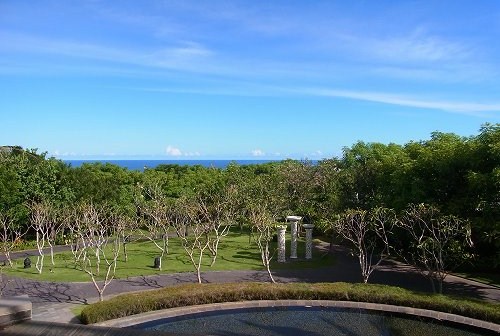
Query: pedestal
(294, 220)
(281, 244)
(309, 230)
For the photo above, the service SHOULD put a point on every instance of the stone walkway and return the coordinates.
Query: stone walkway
(53, 302)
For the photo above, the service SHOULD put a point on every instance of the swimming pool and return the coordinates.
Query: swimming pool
(314, 321)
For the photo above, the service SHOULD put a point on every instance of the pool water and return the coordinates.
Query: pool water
(314, 321)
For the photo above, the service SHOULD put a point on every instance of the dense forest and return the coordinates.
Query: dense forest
(460, 176)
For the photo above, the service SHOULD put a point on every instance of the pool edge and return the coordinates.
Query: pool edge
(132, 320)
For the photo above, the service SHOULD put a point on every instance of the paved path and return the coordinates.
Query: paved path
(52, 302)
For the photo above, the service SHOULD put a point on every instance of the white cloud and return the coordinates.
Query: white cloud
(192, 154)
(469, 108)
(258, 152)
(317, 153)
(178, 55)
(417, 47)
(172, 151)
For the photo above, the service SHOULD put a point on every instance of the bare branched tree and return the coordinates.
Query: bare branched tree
(94, 231)
(263, 229)
(438, 243)
(41, 221)
(217, 211)
(127, 227)
(367, 233)
(154, 209)
(101, 232)
(192, 230)
(264, 203)
(10, 234)
(72, 223)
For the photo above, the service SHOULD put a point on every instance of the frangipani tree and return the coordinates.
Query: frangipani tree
(10, 234)
(100, 230)
(367, 234)
(154, 208)
(438, 243)
(46, 226)
(264, 204)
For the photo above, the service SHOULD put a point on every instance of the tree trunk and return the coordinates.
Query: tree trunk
(98, 262)
(198, 267)
(52, 254)
(214, 252)
(39, 263)
(269, 273)
(267, 262)
(125, 251)
(198, 274)
(7, 256)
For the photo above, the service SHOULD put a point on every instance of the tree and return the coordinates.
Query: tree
(217, 210)
(42, 222)
(300, 180)
(192, 230)
(484, 191)
(101, 233)
(154, 209)
(72, 221)
(367, 233)
(372, 175)
(264, 204)
(10, 234)
(127, 226)
(438, 243)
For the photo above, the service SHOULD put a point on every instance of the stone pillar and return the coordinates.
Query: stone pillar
(294, 220)
(309, 230)
(281, 244)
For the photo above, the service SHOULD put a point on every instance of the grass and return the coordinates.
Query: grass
(194, 294)
(235, 253)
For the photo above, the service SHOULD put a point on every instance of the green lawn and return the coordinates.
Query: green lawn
(235, 253)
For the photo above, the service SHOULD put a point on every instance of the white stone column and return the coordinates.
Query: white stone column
(294, 220)
(281, 244)
(309, 230)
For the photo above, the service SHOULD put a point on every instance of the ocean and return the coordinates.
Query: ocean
(140, 165)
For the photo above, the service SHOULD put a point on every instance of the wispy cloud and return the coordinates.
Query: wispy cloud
(416, 47)
(474, 109)
(182, 55)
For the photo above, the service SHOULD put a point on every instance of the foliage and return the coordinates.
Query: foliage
(186, 295)
(458, 175)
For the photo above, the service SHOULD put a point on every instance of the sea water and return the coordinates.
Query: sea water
(145, 164)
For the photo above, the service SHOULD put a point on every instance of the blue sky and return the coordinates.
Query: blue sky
(243, 79)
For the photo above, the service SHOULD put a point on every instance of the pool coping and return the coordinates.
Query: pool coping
(132, 320)
(15, 310)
